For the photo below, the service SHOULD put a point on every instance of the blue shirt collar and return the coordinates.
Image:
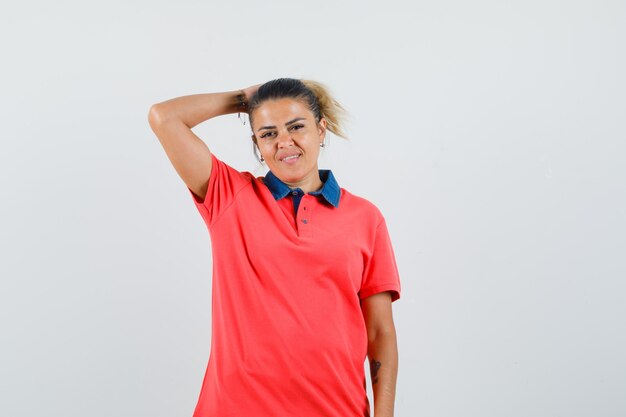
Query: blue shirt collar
(330, 190)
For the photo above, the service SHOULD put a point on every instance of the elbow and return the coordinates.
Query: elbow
(381, 333)
(155, 115)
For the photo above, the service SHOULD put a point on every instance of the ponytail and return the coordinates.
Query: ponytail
(330, 109)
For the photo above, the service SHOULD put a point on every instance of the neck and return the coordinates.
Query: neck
(307, 184)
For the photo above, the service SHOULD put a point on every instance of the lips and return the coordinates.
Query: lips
(290, 156)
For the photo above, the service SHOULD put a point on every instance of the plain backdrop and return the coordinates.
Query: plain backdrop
(491, 135)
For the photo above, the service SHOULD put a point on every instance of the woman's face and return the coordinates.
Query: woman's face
(289, 138)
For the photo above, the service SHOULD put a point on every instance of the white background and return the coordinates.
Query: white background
(489, 133)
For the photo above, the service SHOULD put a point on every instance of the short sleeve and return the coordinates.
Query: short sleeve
(225, 182)
(381, 271)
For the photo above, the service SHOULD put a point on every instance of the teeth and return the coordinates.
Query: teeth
(291, 157)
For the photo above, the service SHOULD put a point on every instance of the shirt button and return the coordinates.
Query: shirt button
(303, 208)
(294, 193)
(305, 221)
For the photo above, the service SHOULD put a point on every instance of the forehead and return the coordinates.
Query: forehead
(278, 112)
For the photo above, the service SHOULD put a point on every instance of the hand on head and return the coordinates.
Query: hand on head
(249, 91)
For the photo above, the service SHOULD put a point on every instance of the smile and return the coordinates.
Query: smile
(291, 159)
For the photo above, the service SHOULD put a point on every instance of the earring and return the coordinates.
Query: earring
(322, 145)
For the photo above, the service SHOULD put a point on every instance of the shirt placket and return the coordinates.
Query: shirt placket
(303, 217)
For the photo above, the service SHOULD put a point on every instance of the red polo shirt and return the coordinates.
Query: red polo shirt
(288, 335)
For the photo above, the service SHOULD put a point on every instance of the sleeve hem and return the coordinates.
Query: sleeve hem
(211, 180)
(391, 287)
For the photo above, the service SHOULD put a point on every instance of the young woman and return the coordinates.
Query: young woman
(304, 272)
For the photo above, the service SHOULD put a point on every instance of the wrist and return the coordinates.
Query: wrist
(241, 102)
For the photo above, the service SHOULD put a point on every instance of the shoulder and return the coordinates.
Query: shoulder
(360, 206)
(227, 169)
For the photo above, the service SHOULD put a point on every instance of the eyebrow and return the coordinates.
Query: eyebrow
(286, 124)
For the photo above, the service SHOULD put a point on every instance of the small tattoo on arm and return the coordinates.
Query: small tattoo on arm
(374, 367)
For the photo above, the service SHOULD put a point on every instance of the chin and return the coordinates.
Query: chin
(290, 177)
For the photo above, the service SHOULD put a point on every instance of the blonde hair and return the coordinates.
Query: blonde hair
(330, 109)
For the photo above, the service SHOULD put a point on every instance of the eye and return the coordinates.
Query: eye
(266, 134)
(295, 127)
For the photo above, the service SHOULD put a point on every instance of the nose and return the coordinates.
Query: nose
(284, 139)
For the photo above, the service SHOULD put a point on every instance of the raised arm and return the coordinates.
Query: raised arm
(172, 121)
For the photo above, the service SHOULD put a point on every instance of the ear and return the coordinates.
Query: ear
(253, 137)
(321, 127)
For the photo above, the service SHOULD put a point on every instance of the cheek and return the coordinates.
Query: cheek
(265, 147)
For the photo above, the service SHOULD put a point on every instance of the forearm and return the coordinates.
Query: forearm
(195, 109)
(382, 353)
